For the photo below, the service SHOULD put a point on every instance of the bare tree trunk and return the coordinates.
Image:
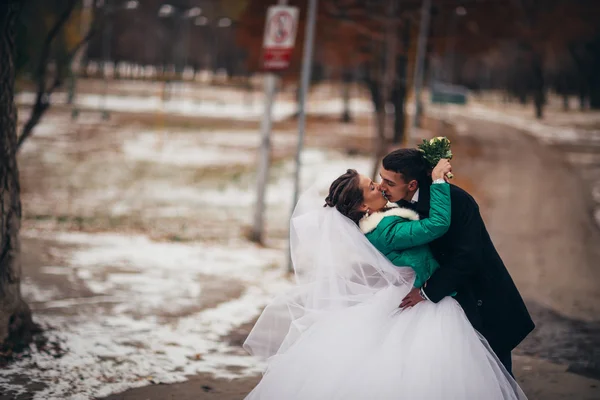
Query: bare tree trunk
(400, 88)
(582, 97)
(387, 81)
(16, 325)
(565, 102)
(539, 89)
(582, 72)
(593, 83)
(399, 98)
(346, 82)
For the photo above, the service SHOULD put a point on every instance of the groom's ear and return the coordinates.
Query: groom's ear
(413, 185)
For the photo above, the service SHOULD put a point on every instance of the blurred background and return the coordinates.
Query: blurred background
(146, 255)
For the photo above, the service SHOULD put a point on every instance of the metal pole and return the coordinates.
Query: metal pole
(270, 84)
(304, 82)
(420, 64)
(270, 88)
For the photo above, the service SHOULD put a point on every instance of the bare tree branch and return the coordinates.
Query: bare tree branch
(42, 101)
(92, 32)
(47, 46)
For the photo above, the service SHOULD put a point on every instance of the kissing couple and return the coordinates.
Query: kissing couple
(400, 294)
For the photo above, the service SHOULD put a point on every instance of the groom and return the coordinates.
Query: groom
(469, 263)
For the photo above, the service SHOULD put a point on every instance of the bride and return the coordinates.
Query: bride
(340, 334)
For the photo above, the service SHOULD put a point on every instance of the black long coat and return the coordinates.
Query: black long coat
(471, 266)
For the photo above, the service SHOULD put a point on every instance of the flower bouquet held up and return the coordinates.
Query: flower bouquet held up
(436, 149)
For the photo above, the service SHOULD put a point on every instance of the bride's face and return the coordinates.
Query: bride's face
(373, 196)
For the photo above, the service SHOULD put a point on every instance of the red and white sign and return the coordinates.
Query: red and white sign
(280, 35)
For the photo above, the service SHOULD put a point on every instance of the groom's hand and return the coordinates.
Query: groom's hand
(412, 298)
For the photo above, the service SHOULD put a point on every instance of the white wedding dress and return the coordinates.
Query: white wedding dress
(339, 334)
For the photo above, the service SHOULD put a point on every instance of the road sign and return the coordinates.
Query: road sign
(280, 35)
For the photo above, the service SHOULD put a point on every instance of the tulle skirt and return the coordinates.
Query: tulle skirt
(374, 350)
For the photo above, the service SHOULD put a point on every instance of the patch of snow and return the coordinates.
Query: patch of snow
(56, 270)
(33, 293)
(229, 109)
(543, 131)
(181, 151)
(78, 301)
(238, 196)
(118, 337)
(114, 351)
(220, 104)
(318, 167)
(336, 106)
(148, 259)
(247, 139)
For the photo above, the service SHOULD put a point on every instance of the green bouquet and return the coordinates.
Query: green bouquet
(436, 149)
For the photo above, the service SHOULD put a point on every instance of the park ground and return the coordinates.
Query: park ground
(135, 252)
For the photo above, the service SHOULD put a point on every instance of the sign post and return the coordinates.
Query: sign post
(304, 83)
(278, 44)
(280, 36)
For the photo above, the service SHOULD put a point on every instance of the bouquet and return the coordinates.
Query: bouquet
(436, 149)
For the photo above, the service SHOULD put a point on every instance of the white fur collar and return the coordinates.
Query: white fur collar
(370, 222)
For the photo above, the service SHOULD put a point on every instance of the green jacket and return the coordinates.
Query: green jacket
(402, 237)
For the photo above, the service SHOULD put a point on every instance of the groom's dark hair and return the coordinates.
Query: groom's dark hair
(408, 162)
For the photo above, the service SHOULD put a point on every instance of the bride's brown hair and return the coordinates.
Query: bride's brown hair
(346, 196)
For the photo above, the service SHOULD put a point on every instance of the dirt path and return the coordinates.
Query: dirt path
(538, 215)
(538, 212)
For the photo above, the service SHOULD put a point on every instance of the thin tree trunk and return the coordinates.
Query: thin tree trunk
(346, 82)
(582, 97)
(582, 73)
(593, 75)
(565, 102)
(594, 99)
(399, 97)
(387, 81)
(594, 78)
(400, 89)
(539, 98)
(16, 325)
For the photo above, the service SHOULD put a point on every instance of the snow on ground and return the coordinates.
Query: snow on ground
(183, 151)
(155, 171)
(157, 311)
(232, 107)
(130, 344)
(320, 168)
(177, 106)
(561, 131)
(37, 294)
(201, 148)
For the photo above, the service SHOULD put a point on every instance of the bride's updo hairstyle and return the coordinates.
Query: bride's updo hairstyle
(346, 196)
